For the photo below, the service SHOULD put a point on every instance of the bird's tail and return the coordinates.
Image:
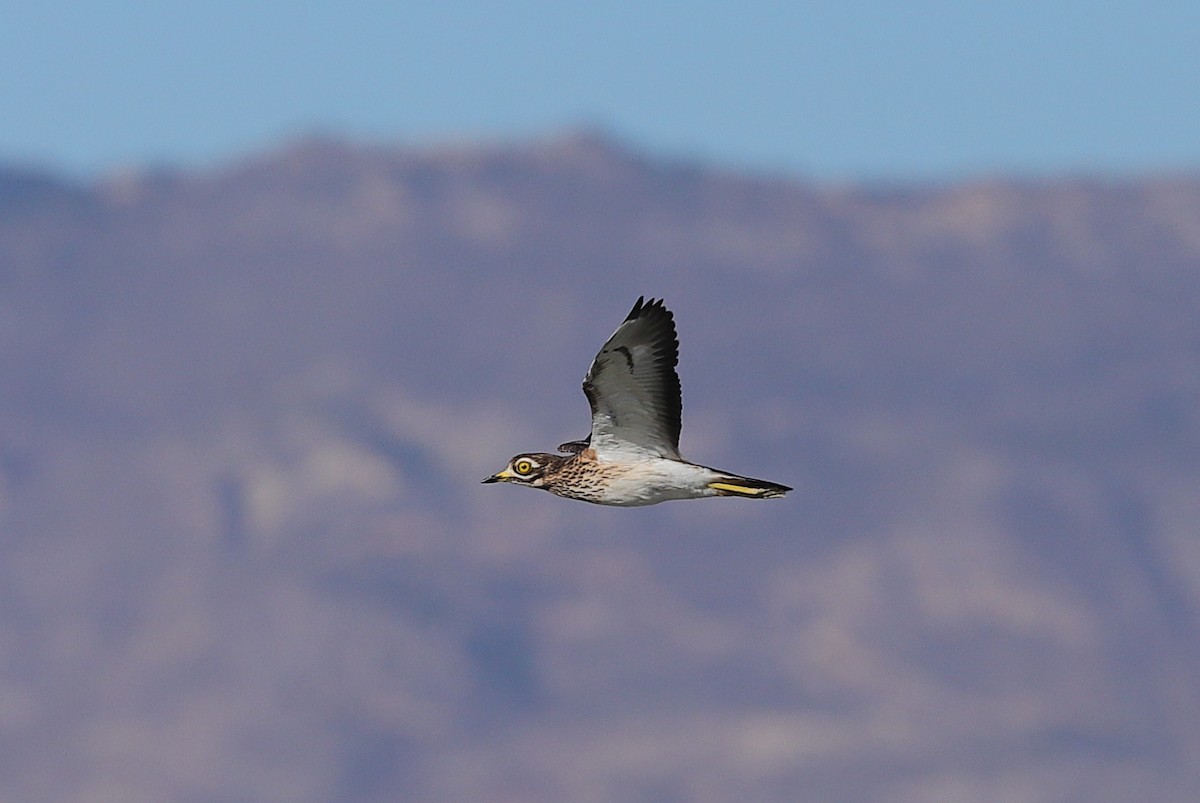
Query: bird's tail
(733, 485)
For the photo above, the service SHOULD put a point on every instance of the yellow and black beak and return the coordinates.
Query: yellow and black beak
(503, 476)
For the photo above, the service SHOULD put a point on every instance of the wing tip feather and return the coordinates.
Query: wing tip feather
(645, 305)
(636, 312)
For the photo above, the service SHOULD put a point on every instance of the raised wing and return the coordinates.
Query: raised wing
(633, 388)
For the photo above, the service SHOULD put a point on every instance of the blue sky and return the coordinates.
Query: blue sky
(839, 90)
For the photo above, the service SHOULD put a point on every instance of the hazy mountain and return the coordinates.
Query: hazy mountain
(246, 556)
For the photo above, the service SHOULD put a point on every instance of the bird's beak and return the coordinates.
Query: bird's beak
(503, 476)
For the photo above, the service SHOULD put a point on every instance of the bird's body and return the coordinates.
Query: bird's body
(634, 482)
(631, 457)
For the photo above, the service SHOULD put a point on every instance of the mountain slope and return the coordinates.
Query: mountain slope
(247, 555)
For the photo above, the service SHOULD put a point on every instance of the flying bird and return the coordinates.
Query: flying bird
(631, 457)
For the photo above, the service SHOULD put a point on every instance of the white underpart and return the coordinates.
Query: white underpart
(654, 480)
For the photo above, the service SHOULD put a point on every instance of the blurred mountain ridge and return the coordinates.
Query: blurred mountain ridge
(245, 413)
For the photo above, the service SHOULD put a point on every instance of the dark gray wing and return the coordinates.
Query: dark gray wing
(575, 447)
(633, 388)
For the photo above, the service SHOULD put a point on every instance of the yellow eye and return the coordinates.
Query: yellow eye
(523, 466)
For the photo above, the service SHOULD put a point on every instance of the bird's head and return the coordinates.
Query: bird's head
(527, 469)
